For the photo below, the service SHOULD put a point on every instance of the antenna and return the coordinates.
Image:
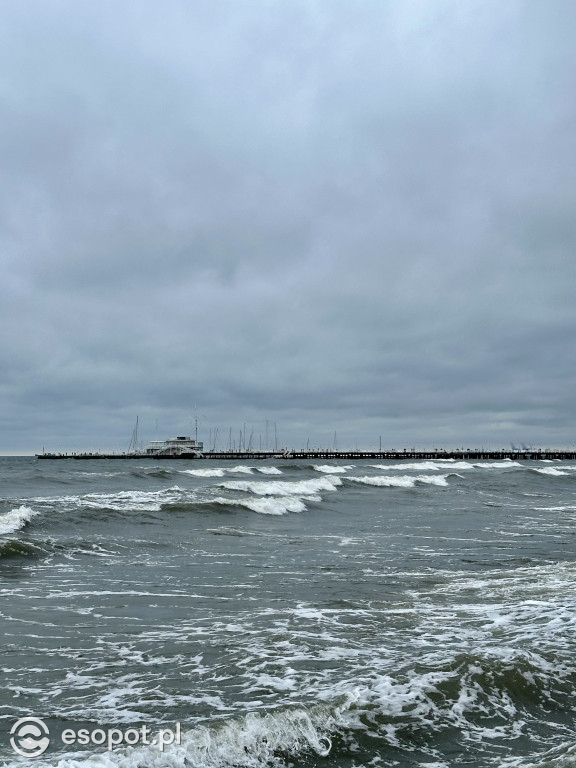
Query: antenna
(202, 416)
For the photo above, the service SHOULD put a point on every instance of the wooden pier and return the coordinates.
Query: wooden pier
(389, 455)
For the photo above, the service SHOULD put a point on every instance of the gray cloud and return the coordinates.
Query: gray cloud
(333, 216)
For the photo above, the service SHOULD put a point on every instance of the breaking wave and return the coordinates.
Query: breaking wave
(126, 501)
(551, 471)
(284, 488)
(402, 481)
(13, 521)
(331, 469)
(238, 470)
(204, 472)
(269, 505)
(250, 741)
(441, 464)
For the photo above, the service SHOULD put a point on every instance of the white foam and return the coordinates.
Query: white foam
(13, 521)
(251, 741)
(284, 488)
(330, 469)
(498, 464)
(303, 611)
(551, 471)
(148, 501)
(425, 466)
(204, 472)
(401, 481)
(440, 464)
(277, 683)
(269, 470)
(447, 676)
(242, 470)
(555, 509)
(268, 505)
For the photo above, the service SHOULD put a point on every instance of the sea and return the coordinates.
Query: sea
(230, 614)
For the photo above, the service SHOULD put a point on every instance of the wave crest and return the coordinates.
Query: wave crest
(283, 487)
(268, 505)
(330, 469)
(13, 521)
(401, 481)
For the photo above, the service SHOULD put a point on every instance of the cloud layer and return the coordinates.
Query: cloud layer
(335, 216)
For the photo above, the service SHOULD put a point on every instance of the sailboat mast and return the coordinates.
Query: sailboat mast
(133, 447)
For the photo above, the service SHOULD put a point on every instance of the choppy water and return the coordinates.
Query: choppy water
(413, 614)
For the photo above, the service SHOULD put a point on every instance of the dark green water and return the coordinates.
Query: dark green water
(378, 614)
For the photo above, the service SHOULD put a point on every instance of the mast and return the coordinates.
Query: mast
(133, 447)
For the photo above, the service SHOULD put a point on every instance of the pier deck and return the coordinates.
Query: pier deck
(390, 455)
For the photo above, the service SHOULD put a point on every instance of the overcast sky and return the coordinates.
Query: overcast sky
(350, 216)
